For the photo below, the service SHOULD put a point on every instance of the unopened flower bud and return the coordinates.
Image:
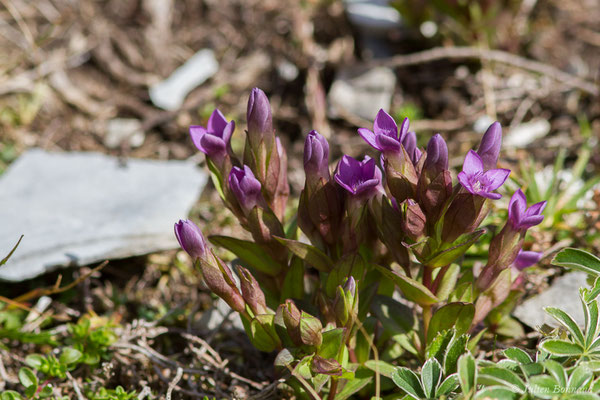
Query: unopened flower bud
(310, 330)
(259, 118)
(219, 279)
(489, 149)
(437, 156)
(251, 292)
(190, 238)
(291, 319)
(316, 158)
(245, 187)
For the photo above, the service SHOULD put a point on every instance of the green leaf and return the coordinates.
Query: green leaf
(412, 290)
(518, 355)
(499, 376)
(431, 375)
(456, 348)
(579, 260)
(70, 355)
(310, 254)
(557, 371)
(10, 395)
(215, 176)
(543, 386)
(5, 259)
(249, 252)
(448, 282)
(580, 377)
(35, 361)
(362, 377)
(592, 324)
(456, 249)
(467, 372)
(559, 347)
(453, 315)
(510, 327)
(27, 378)
(332, 342)
(496, 393)
(408, 381)
(438, 346)
(293, 284)
(378, 366)
(449, 385)
(393, 315)
(568, 322)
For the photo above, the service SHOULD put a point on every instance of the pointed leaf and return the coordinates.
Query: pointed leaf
(557, 371)
(378, 366)
(580, 377)
(431, 375)
(362, 377)
(293, 284)
(518, 355)
(496, 393)
(544, 386)
(559, 347)
(568, 322)
(412, 290)
(456, 348)
(453, 315)
(592, 322)
(456, 249)
(500, 376)
(448, 282)
(449, 385)
(579, 260)
(332, 342)
(408, 381)
(310, 254)
(249, 252)
(467, 372)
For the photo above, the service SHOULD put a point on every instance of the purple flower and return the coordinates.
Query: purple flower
(316, 155)
(409, 141)
(190, 238)
(214, 139)
(245, 187)
(357, 176)
(489, 149)
(385, 133)
(526, 259)
(258, 116)
(480, 182)
(521, 217)
(437, 155)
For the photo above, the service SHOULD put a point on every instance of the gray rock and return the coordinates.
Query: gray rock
(373, 16)
(527, 133)
(170, 93)
(80, 208)
(361, 92)
(218, 314)
(120, 130)
(564, 294)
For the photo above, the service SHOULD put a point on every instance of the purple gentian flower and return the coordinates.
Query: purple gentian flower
(358, 176)
(521, 217)
(409, 141)
(214, 139)
(480, 182)
(245, 187)
(385, 133)
(437, 155)
(526, 259)
(190, 238)
(316, 155)
(258, 115)
(489, 148)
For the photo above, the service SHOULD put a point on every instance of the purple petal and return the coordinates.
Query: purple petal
(385, 125)
(228, 131)
(518, 204)
(212, 145)
(196, 132)
(216, 123)
(494, 178)
(343, 184)
(529, 221)
(386, 143)
(369, 137)
(366, 185)
(473, 164)
(409, 141)
(535, 209)
(463, 178)
(527, 259)
(490, 195)
(404, 130)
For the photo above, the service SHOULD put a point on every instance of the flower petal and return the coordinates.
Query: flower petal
(212, 144)
(196, 132)
(527, 259)
(369, 137)
(216, 123)
(404, 129)
(536, 209)
(386, 143)
(490, 195)
(494, 178)
(464, 181)
(228, 131)
(473, 164)
(518, 204)
(384, 124)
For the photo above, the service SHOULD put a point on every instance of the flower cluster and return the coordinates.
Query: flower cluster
(395, 222)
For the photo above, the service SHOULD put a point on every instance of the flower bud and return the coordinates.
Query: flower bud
(410, 145)
(219, 279)
(489, 148)
(522, 218)
(310, 330)
(291, 319)
(359, 177)
(245, 187)
(437, 156)
(190, 238)
(251, 292)
(259, 118)
(346, 303)
(214, 140)
(414, 221)
(316, 159)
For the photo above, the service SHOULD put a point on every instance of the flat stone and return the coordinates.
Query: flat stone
(170, 93)
(373, 16)
(361, 92)
(527, 133)
(81, 208)
(217, 315)
(563, 294)
(124, 130)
